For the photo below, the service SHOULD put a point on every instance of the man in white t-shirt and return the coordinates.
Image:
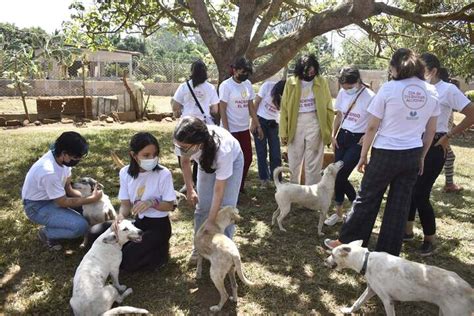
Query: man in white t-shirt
(48, 196)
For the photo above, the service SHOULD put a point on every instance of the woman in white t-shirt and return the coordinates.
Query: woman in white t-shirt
(349, 127)
(146, 192)
(184, 103)
(267, 104)
(403, 115)
(221, 163)
(450, 98)
(236, 108)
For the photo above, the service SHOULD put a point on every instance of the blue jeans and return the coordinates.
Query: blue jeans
(349, 152)
(59, 222)
(270, 137)
(205, 191)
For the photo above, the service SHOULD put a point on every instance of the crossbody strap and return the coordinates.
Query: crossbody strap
(349, 110)
(195, 99)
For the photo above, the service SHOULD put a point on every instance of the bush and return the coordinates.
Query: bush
(470, 95)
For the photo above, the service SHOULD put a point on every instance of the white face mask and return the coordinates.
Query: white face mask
(352, 91)
(148, 164)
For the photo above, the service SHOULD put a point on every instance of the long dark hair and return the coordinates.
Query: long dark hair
(72, 143)
(138, 142)
(407, 64)
(304, 63)
(277, 92)
(192, 130)
(198, 72)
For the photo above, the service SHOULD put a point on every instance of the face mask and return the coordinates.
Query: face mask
(148, 164)
(242, 77)
(71, 163)
(352, 91)
(308, 78)
(187, 153)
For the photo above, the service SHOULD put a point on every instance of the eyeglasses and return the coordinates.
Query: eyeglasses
(185, 149)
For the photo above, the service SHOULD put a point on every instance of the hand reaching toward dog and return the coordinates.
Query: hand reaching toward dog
(192, 197)
(96, 194)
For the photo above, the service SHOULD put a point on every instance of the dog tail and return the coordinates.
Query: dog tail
(117, 161)
(125, 310)
(276, 174)
(240, 273)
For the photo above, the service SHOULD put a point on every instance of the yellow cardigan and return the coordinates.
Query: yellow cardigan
(290, 104)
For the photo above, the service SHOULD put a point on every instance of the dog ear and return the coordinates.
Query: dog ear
(345, 251)
(110, 238)
(357, 243)
(100, 186)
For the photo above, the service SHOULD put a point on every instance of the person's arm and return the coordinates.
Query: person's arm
(467, 122)
(125, 209)
(372, 127)
(142, 206)
(70, 191)
(223, 113)
(214, 108)
(191, 195)
(177, 108)
(428, 136)
(72, 202)
(219, 188)
(337, 123)
(255, 124)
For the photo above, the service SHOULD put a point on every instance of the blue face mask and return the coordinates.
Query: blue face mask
(148, 164)
(352, 91)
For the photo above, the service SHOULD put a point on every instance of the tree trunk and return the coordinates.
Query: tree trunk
(133, 98)
(22, 94)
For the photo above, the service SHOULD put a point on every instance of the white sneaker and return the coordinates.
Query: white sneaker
(192, 260)
(348, 215)
(333, 220)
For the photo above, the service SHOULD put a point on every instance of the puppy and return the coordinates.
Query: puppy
(223, 254)
(98, 212)
(315, 197)
(396, 279)
(90, 295)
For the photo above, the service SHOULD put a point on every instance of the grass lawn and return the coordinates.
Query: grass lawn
(287, 267)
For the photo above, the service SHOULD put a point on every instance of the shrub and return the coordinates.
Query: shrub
(470, 95)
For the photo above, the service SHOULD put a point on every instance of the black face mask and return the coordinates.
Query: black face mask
(71, 163)
(242, 77)
(308, 78)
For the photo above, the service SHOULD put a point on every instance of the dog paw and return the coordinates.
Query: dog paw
(233, 299)
(121, 288)
(346, 310)
(320, 234)
(215, 308)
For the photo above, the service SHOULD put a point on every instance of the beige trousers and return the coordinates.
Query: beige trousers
(307, 146)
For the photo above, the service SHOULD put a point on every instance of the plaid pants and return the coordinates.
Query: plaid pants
(399, 169)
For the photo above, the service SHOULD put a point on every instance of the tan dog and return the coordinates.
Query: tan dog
(315, 197)
(396, 279)
(223, 254)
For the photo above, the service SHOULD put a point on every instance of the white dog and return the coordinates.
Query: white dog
(395, 279)
(90, 295)
(223, 254)
(315, 197)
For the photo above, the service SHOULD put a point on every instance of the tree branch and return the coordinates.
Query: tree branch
(247, 17)
(174, 18)
(263, 25)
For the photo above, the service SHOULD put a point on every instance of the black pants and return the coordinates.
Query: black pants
(434, 162)
(399, 169)
(151, 252)
(195, 170)
(349, 152)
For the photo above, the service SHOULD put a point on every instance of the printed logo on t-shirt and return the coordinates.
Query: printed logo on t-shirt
(307, 100)
(140, 191)
(245, 94)
(270, 107)
(414, 97)
(353, 117)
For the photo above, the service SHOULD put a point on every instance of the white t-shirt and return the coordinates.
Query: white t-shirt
(148, 185)
(307, 102)
(45, 180)
(450, 98)
(206, 95)
(237, 97)
(357, 119)
(266, 108)
(228, 151)
(404, 106)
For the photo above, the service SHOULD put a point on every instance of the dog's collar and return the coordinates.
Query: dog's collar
(364, 265)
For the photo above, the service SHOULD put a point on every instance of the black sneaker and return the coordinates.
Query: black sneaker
(426, 249)
(408, 237)
(49, 243)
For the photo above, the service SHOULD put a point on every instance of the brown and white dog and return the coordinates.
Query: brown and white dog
(315, 197)
(393, 278)
(223, 254)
